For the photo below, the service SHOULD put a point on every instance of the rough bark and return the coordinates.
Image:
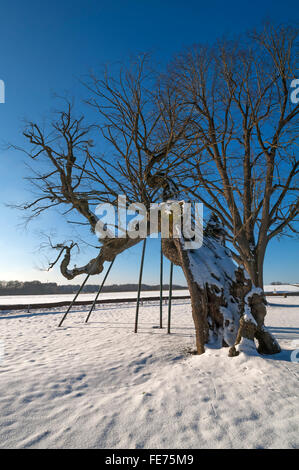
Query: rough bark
(226, 306)
(174, 251)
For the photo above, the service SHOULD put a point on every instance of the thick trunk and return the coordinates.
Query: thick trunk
(260, 269)
(174, 251)
(199, 303)
(255, 270)
(214, 310)
(267, 343)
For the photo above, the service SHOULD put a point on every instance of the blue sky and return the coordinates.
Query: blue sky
(46, 47)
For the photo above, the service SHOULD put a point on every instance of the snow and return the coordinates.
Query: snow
(282, 288)
(37, 299)
(102, 386)
(254, 290)
(212, 264)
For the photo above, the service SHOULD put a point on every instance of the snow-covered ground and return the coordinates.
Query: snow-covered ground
(282, 288)
(37, 299)
(102, 386)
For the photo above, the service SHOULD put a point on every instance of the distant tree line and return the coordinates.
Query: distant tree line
(40, 288)
(278, 283)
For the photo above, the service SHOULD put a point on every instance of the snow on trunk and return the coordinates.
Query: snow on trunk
(226, 307)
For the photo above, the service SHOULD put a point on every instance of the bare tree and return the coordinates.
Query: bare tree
(147, 133)
(139, 126)
(244, 132)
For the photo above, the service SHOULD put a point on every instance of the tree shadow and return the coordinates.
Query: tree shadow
(285, 333)
(284, 355)
(10, 316)
(282, 305)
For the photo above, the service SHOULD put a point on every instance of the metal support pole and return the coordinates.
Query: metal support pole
(161, 287)
(139, 286)
(99, 291)
(169, 298)
(72, 303)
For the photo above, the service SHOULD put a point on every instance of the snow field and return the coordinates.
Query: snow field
(102, 386)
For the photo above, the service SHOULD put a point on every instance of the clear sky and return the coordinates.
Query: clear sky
(47, 46)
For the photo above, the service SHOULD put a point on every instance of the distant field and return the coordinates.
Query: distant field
(282, 288)
(37, 299)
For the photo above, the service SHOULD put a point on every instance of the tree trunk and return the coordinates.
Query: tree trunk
(225, 302)
(267, 343)
(198, 301)
(173, 250)
(254, 264)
